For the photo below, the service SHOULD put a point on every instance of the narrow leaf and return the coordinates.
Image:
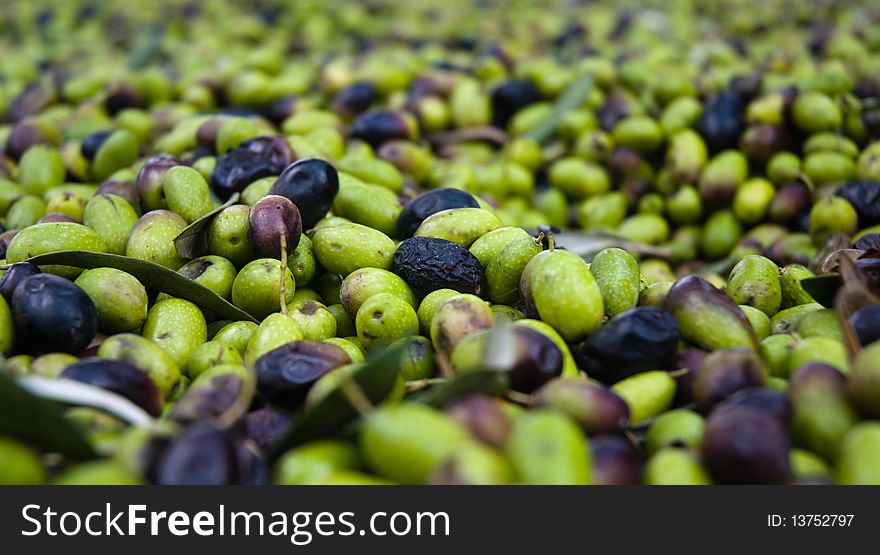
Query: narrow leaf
(39, 422)
(151, 275)
(573, 97)
(376, 380)
(193, 240)
(591, 242)
(484, 382)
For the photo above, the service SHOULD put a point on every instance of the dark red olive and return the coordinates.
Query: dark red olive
(253, 159)
(149, 178)
(203, 454)
(616, 462)
(687, 362)
(484, 418)
(762, 141)
(596, 408)
(431, 202)
(266, 426)
(537, 361)
(119, 377)
(285, 374)
(311, 184)
(16, 273)
(760, 398)
(354, 99)
(745, 445)
(270, 218)
(5, 239)
(377, 126)
(723, 373)
(23, 136)
(36, 96)
(92, 143)
(53, 314)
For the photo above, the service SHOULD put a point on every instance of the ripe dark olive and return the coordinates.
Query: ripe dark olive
(615, 108)
(281, 109)
(428, 264)
(638, 340)
(426, 204)
(484, 418)
(762, 141)
(354, 99)
(864, 195)
(721, 122)
(285, 374)
(866, 322)
(121, 378)
(5, 239)
(121, 189)
(537, 361)
(790, 201)
(24, 135)
(122, 97)
(510, 97)
(760, 398)
(271, 217)
(53, 314)
(723, 373)
(266, 426)
(616, 462)
(311, 184)
(203, 454)
(689, 360)
(92, 143)
(871, 241)
(596, 408)
(150, 176)
(377, 126)
(745, 445)
(15, 275)
(255, 158)
(203, 403)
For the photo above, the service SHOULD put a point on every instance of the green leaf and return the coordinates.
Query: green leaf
(573, 97)
(823, 288)
(193, 240)
(484, 382)
(40, 422)
(375, 379)
(151, 275)
(588, 243)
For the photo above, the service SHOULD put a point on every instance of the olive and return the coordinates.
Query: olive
(427, 264)
(119, 377)
(760, 398)
(16, 273)
(203, 403)
(865, 321)
(53, 314)
(123, 189)
(149, 180)
(5, 239)
(418, 209)
(690, 360)
(864, 195)
(121, 98)
(377, 126)
(272, 217)
(251, 160)
(311, 184)
(722, 121)
(745, 445)
(266, 426)
(869, 241)
(615, 461)
(723, 373)
(483, 417)
(638, 340)
(285, 374)
(92, 143)
(510, 97)
(204, 454)
(24, 135)
(354, 99)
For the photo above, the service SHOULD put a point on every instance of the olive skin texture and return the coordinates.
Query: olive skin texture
(377, 126)
(270, 218)
(16, 273)
(285, 374)
(426, 204)
(251, 160)
(311, 184)
(641, 339)
(746, 446)
(53, 314)
(721, 122)
(119, 377)
(427, 264)
(615, 461)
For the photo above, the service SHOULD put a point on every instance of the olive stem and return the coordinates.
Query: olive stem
(680, 372)
(551, 242)
(520, 398)
(807, 181)
(418, 385)
(356, 396)
(282, 289)
(443, 362)
(633, 440)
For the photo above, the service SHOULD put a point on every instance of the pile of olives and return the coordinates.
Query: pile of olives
(659, 228)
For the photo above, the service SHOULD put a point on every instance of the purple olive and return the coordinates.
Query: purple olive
(119, 377)
(746, 445)
(15, 275)
(616, 462)
(266, 426)
(253, 159)
(270, 218)
(53, 314)
(285, 374)
(597, 409)
(484, 418)
(723, 373)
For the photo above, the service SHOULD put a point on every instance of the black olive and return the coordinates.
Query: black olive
(760, 398)
(510, 97)
(538, 360)
(53, 314)
(354, 99)
(266, 426)
(377, 126)
(281, 109)
(253, 159)
(426, 204)
(428, 264)
(15, 275)
(864, 195)
(203, 454)
(5, 239)
(866, 322)
(722, 121)
(92, 143)
(121, 378)
(121, 98)
(723, 373)
(311, 184)
(641, 339)
(790, 201)
(285, 374)
(745, 445)
(616, 462)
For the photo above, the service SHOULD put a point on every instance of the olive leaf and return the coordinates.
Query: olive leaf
(193, 240)
(375, 379)
(484, 382)
(589, 243)
(572, 98)
(151, 275)
(40, 422)
(823, 288)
